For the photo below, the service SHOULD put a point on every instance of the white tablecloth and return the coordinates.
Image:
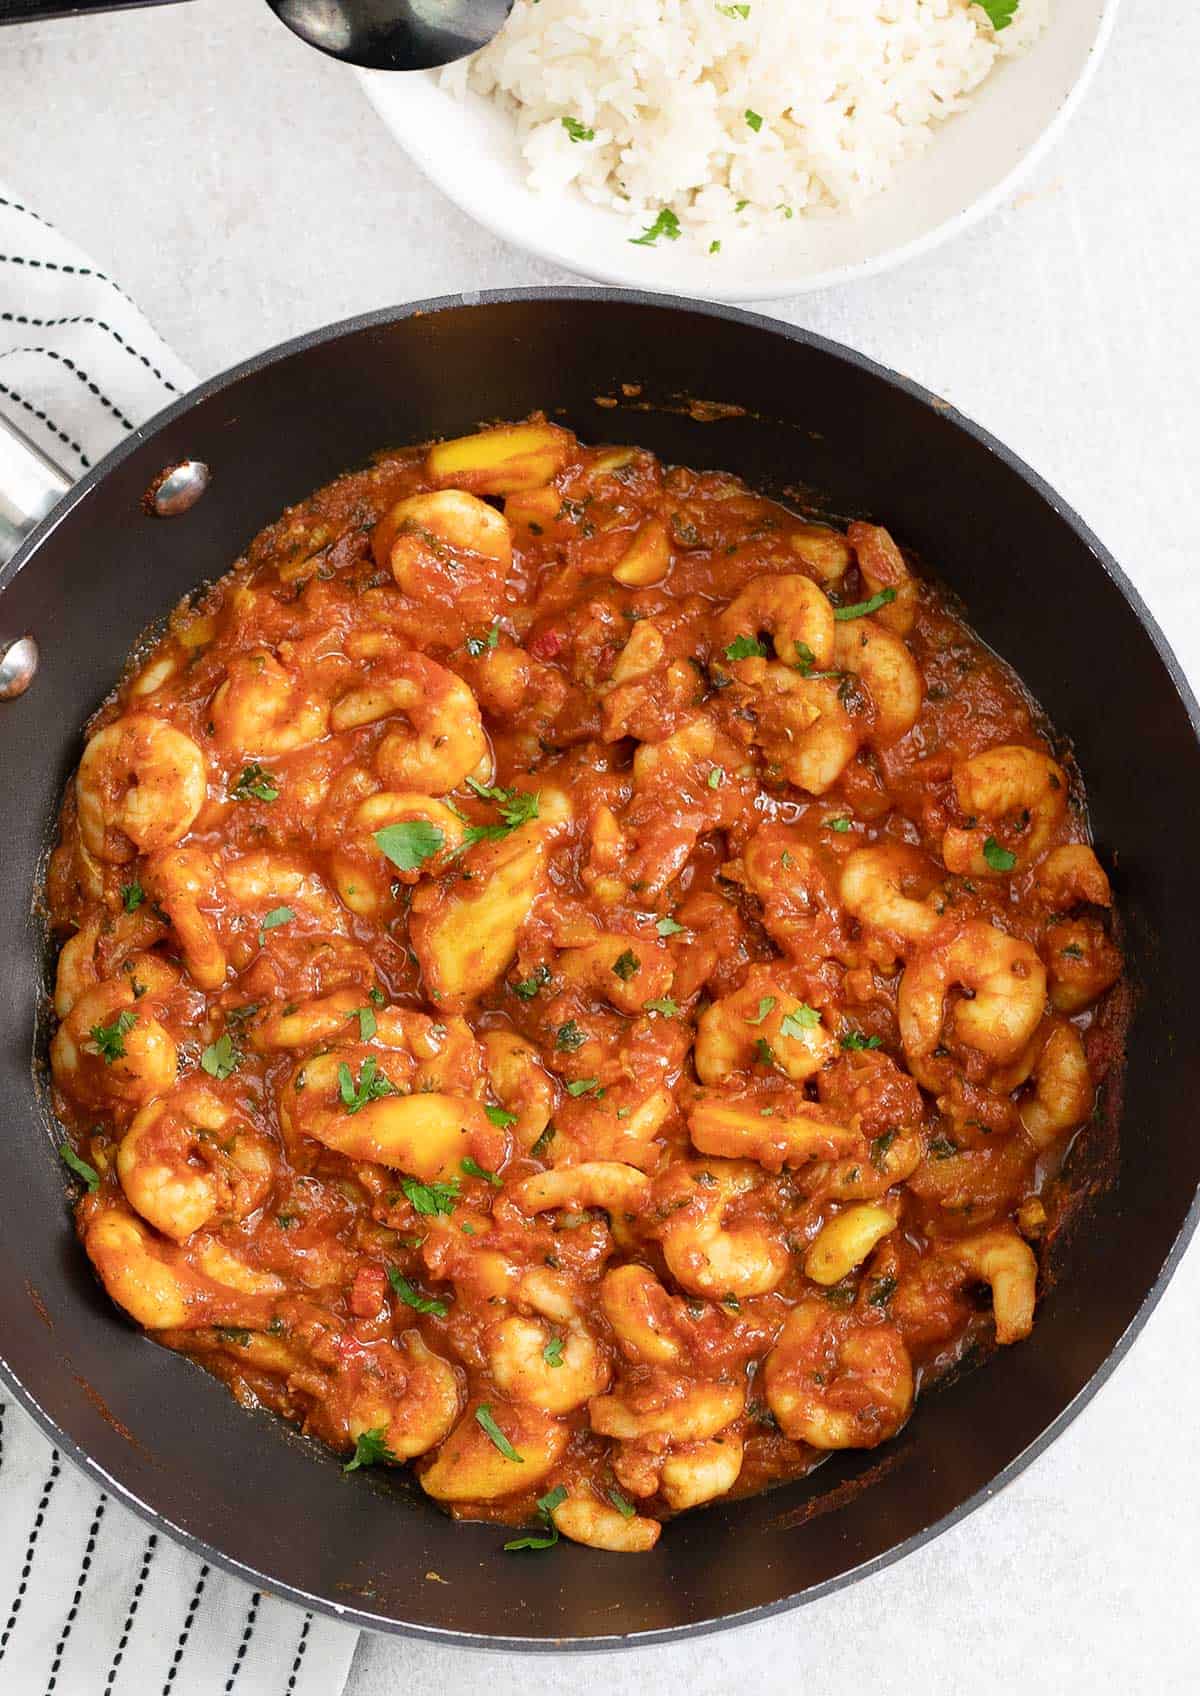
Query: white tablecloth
(241, 202)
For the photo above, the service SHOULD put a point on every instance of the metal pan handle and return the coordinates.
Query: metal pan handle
(31, 485)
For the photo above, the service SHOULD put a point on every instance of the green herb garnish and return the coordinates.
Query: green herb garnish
(622, 1503)
(132, 896)
(499, 1116)
(552, 1354)
(109, 1040)
(584, 1086)
(474, 1170)
(662, 1004)
(765, 1006)
(754, 119)
(746, 648)
(528, 987)
(626, 964)
(477, 645)
(483, 1416)
(276, 917)
(431, 1199)
(666, 224)
(370, 1449)
(371, 1085)
(860, 609)
(221, 1059)
(799, 1020)
(668, 927)
(255, 784)
(410, 843)
(413, 1298)
(546, 1506)
(569, 1037)
(855, 1041)
(578, 131)
(80, 1167)
(999, 859)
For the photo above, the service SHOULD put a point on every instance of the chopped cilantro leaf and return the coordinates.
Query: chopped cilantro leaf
(514, 805)
(662, 1004)
(414, 1298)
(528, 987)
(80, 1167)
(879, 1149)
(543, 1143)
(569, 1037)
(622, 1503)
(765, 1006)
(584, 1086)
(668, 927)
(221, 1059)
(371, 1085)
(552, 1354)
(754, 119)
(746, 648)
(546, 1506)
(132, 896)
(410, 843)
(999, 859)
(666, 224)
(377, 996)
(881, 1292)
(483, 1416)
(477, 645)
(370, 1449)
(431, 1199)
(860, 609)
(368, 1024)
(499, 1116)
(764, 1054)
(799, 1020)
(255, 784)
(1000, 12)
(716, 777)
(109, 1040)
(736, 11)
(578, 131)
(626, 965)
(840, 825)
(474, 1170)
(276, 917)
(855, 1041)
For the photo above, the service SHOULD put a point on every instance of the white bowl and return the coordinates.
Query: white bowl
(469, 149)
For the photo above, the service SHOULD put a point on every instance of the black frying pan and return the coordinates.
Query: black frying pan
(168, 1439)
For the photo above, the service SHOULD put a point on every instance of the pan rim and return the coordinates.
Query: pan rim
(600, 296)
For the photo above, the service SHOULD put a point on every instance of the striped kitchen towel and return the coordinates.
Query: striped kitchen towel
(92, 1602)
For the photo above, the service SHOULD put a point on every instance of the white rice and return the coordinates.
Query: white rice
(846, 89)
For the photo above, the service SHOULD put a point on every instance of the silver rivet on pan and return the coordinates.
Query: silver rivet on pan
(179, 488)
(18, 663)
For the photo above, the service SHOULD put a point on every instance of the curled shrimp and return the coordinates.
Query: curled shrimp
(184, 884)
(1063, 1092)
(835, 1382)
(1070, 877)
(893, 679)
(110, 1051)
(189, 1159)
(551, 1360)
(445, 547)
(792, 611)
(139, 786)
(408, 1392)
(881, 567)
(761, 1025)
(878, 885)
(702, 1252)
(585, 1519)
(1020, 793)
(521, 1084)
(802, 727)
(366, 874)
(650, 1326)
(1007, 983)
(1002, 1260)
(798, 907)
(668, 1407)
(441, 740)
(263, 708)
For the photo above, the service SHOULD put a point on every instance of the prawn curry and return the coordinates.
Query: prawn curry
(577, 978)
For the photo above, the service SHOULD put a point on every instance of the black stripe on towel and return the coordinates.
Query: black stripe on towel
(78, 372)
(301, 1646)
(97, 323)
(81, 1581)
(193, 1605)
(247, 1634)
(147, 1557)
(35, 1529)
(44, 418)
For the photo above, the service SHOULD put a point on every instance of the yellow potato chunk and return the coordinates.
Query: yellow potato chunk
(472, 1467)
(503, 461)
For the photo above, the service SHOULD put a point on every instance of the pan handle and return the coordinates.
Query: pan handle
(31, 485)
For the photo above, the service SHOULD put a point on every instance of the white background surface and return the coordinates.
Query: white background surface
(241, 189)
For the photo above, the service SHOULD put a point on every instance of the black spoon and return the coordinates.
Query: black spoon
(394, 35)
